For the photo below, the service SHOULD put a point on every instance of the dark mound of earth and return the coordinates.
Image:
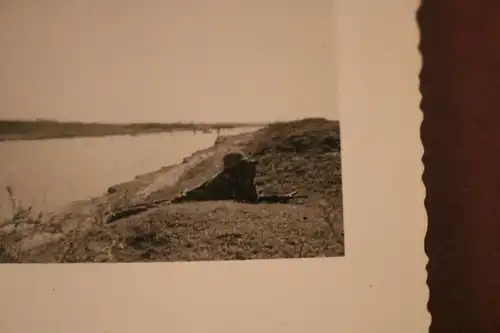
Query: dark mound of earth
(302, 155)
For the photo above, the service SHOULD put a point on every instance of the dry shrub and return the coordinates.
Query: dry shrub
(332, 214)
(23, 221)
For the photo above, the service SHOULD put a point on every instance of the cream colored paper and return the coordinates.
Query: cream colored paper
(380, 284)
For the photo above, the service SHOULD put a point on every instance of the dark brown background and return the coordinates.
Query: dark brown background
(460, 84)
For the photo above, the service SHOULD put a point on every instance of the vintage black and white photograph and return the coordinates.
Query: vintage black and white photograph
(169, 131)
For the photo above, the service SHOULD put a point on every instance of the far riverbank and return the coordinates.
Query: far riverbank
(13, 130)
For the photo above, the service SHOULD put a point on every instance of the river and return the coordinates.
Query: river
(48, 174)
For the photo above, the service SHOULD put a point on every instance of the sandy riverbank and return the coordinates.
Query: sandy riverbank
(298, 156)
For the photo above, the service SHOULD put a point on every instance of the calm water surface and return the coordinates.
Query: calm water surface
(51, 173)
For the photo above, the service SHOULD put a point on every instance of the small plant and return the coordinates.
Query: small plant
(332, 215)
(21, 218)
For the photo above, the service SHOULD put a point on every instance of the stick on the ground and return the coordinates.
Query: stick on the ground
(132, 210)
(280, 198)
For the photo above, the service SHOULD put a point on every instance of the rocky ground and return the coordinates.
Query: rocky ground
(302, 156)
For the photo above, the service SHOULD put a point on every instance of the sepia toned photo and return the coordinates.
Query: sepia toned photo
(197, 159)
(166, 131)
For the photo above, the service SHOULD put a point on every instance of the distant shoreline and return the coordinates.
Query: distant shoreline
(22, 130)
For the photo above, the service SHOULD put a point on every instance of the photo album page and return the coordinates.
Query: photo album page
(211, 166)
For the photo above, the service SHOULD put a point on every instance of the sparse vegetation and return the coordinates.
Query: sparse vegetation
(22, 222)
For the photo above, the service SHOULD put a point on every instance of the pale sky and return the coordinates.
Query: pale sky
(167, 60)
